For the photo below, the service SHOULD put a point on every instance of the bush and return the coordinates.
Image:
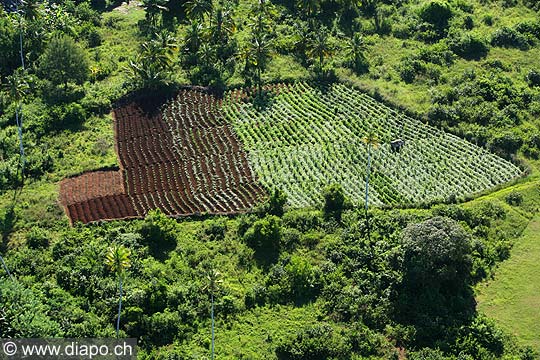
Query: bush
(469, 46)
(264, 237)
(506, 144)
(276, 203)
(314, 343)
(482, 336)
(435, 293)
(37, 238)
(533, 78)
(213, 229)
(303, 220)
(64, 61)
(303, 277)
(437, 13)
(158, 232)
(334, 200)
(507, 37)
(514, 198)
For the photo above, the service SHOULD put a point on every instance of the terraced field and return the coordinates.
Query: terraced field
(201, 154)
(307, 138)
(183, 159)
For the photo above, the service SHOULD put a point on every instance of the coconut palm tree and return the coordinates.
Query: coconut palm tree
(16, 87)
(198, 9)
(152, 9)
(308, 7)
(354, 51)
(212, 286)
(372, 142)
(260, 50)
(319, 47)
(117, 259)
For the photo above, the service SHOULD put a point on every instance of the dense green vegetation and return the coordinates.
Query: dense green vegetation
(314, 283)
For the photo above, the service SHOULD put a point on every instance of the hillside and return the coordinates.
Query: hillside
(307, 138)
(226, 144)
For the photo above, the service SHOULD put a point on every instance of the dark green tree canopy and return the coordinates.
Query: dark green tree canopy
(435, 294)
(437, 253)
(64, 62)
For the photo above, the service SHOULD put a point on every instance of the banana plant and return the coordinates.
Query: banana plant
(117, 259)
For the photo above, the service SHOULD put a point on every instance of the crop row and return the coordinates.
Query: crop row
(308, 138)
(181, 158)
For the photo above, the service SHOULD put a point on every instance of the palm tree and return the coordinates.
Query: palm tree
(260, 50)
(354, 50)
(319, 46)
(193, 37)
(152, 9)
(371, 141)
(308, 7)
(198, 9)
(30, 8)
(16, 88)
(213, 286)
(117, 259)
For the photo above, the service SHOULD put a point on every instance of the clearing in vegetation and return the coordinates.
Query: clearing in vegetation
(184, 157)
(183, 160)
(307, 138)
(513, 297)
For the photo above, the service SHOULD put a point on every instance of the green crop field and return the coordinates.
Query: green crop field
(306, 138)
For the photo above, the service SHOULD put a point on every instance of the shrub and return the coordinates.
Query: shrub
(514, 198)
(533, 78)
(314, 343)
(334, 200)
(37, 238)
(468, 22)
(506, 144)
(488, 19)
(435, 292)
(158, 232)
(507, 37)
(303, 277)
(264, 237)
(213, 229)
(437, 13)
(482, 336)
(276, 202)
(64, 61)
(303, 220)
(469, 46)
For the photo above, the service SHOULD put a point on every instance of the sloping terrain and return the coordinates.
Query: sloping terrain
(185, 157)
(306, 138)
(183, 161)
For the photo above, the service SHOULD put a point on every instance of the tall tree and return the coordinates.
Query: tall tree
(319, 46)
(16, 87)
(152, 66)
(260, 52)
(198, 9)
(117, 259)
(212, 286)
(372, 142)
(354, 51)
(308, 7)
(64, 61)
(153, 8)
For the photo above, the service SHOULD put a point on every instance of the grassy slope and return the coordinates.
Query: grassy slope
(89, 147)
(512, 297)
